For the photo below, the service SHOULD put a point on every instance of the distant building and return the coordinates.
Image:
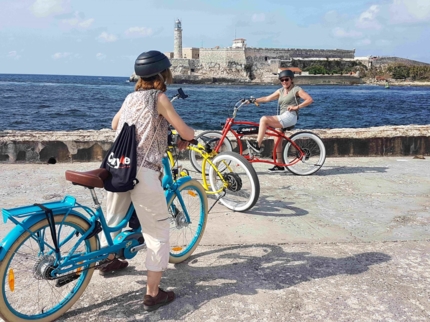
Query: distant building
(190, 53)
(241, 61)
(239, 43)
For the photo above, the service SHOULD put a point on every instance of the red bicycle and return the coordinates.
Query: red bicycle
(302, 154)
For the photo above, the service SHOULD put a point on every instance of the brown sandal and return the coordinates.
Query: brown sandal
(152, 303)
(111, 266)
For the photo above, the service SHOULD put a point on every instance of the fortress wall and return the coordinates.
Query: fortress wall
(264, 54)
(183, 62)
(231, 62)
(78, 146)
(222, 56)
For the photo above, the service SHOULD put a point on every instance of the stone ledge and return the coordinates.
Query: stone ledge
(91, 145)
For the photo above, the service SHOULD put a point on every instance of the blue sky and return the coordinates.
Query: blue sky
(94, 37)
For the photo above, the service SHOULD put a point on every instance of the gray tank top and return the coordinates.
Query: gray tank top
(286, 100)
(140, 108)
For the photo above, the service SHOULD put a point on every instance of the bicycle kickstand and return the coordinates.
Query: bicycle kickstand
(217, 201)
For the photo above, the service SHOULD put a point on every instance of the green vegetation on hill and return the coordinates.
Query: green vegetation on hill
(328, 67)
(393, 70)
(400, 71)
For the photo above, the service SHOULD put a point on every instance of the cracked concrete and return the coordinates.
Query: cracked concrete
(349, 243)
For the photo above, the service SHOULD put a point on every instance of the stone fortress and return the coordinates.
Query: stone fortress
(245, 64)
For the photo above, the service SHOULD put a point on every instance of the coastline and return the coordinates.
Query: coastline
(313, 80)
(397, 83)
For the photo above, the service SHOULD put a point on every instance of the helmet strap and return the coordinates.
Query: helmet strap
(162, 78)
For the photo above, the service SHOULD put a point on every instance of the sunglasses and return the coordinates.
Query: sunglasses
(285, 79)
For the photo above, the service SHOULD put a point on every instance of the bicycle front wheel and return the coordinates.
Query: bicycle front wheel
(238, 179)
(314, 153)
(188, 208)
(196, 158)
(28, 291)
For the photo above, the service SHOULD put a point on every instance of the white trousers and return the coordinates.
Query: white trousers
(151, 208)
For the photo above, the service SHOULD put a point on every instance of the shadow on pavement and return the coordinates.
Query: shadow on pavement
(276, 208)
(241, 270)
(332, 170)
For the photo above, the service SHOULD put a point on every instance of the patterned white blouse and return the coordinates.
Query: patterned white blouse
(140, 108)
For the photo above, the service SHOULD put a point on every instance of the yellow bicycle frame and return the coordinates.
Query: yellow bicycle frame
(200, 149)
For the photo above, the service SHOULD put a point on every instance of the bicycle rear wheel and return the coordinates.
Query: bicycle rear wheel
(313, 148)
(27, 292)
(243, 187)
(196, 158)
(189, 209)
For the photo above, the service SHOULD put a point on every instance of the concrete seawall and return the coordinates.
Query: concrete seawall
(78, 146)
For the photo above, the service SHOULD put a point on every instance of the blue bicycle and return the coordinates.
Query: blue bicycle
(48, 259)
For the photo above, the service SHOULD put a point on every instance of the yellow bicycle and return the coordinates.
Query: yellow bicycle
(226, 175)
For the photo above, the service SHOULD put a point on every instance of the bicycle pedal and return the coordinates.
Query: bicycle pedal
(66, 280)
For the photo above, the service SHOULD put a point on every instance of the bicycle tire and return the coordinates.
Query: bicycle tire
(314, 148)
(243, 188)
(195, 157)
(185, 235)
(28, 300)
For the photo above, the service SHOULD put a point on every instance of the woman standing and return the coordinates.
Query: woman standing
(289, 104)
(151, 111)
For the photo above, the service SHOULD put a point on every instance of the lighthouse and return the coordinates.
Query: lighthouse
(177, 46)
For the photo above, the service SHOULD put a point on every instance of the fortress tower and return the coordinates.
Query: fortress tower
(177, 46)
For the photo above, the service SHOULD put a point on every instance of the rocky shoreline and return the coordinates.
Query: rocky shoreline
(396, 83)
(299, 80)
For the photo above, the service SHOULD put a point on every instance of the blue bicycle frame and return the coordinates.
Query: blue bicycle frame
(25, 217)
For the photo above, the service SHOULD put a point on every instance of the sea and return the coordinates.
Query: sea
(68, 103)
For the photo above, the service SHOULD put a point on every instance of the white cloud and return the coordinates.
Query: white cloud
(78, 21)
(45, 8)
(409, 11)
(138, 32)
(61, 55)
(368, 19)
(14, 55)
(342, 33)
(105, 37)
(258, 17)
(100, 56)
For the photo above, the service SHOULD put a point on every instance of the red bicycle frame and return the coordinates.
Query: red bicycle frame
(271, 132)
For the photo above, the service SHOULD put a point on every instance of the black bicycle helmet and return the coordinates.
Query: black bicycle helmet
(151, 63)
(286, 73)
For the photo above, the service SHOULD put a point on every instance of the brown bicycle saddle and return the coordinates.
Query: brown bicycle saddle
(90, 179)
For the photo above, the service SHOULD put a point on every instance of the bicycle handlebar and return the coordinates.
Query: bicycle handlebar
(180, 94)
(243, 101)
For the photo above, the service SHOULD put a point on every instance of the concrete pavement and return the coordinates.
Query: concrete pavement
(350, 243)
